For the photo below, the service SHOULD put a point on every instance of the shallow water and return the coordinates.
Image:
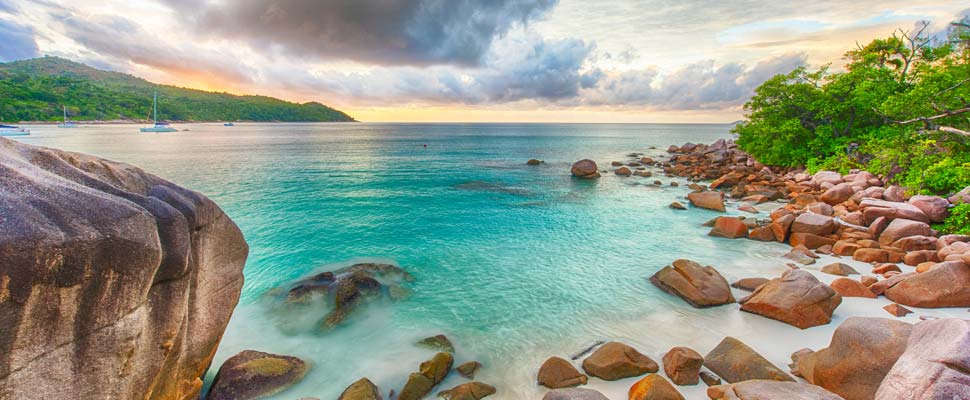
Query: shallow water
(514, 263)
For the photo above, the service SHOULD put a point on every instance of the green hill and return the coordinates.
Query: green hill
(36, 89)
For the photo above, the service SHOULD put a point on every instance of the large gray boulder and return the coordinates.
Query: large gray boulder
(935, 365)
(114, 283)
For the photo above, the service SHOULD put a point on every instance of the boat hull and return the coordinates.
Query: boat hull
(67, 125)
(14, 133)
(158, 130)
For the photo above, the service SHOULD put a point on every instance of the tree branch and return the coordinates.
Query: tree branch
(935, 117)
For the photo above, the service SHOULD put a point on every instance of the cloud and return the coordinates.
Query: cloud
(122, 39)
(697, 86)
(395, 32)
(16, 41)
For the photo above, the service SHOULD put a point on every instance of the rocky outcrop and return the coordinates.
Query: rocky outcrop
(114, 283)
(734, 361)
(429, 375)
(654, 387)
(945, 285)
(797, 298)
(557, 373)
(935, 364)
(253, 374)
(437, 343)
(860, 355)
(615, 360)
(770, 390)
(363, 389)
(586, 169)
(683, 365)
(468, 391)
(699, 286)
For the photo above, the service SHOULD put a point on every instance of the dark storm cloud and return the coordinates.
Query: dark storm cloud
(119, 39)
(387, 32)
(16, 41)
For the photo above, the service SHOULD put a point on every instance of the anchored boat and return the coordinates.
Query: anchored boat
(159, 127)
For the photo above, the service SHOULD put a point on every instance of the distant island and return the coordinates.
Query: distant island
(36, 90)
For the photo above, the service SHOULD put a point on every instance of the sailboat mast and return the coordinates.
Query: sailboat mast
(155, 108)
(65, 114)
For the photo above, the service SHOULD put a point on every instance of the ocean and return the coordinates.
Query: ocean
(514, 263)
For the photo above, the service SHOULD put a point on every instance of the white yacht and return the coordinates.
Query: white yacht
(67, 124)
(159, 127)
(10, 130)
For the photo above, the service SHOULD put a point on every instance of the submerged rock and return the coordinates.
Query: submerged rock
(797, 298)
(363, 389)
(469, 369)
(734, 361)
(860, 355)
(114, 283)
(430, 374)
(935, 364)
(254, 374)
(699, 286)
(614, 360)
(558, 373)
(437, 342)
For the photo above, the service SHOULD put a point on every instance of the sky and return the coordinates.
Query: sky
(465, 60)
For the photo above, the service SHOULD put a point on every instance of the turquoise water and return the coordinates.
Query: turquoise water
(515, 263)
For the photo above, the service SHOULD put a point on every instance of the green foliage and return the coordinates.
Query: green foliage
(35, 90)
(875, 114)
(958, 222)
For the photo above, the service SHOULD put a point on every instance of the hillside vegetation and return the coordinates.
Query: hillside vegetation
(900, 107)
(36, 89)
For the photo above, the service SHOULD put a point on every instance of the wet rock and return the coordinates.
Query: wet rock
(851, 288)
(574, 394)
(897, 310)
(729, 227)
(623, 171)
(677, 206)
(468, 391)
(801, 256)
(429, 375)
(935, 364)
(654, 387)
(797, 298)
(748, 209)
(349, 293)
(363, 389)
(586, 169)
(469, 369)
(749, 284)
(709, 200)
(900, 228)
(710, 379)
(683, 365)
(253, 374)
(734, 361)
(615, 360)
(698, 286)
(616, 163)
(558, 373)
(771, 390)
(946, 285)
(860, 355)
(840, 269)
(438, 343)
(534, 162)
(762, 233)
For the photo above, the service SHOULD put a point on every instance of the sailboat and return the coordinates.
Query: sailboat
(160, 127)
(10, 130)
(67, 124)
